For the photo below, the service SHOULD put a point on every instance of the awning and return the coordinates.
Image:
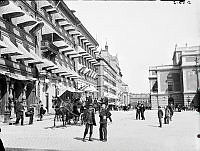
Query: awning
(85, 41)
(60, 43)
(68, 49)
(75, 56)
(63, 22)
(17, 76)
(48, 64)
(11, 48)
(90, 89)
(69, 27)
(26, 55)
(2, 44)
(36, 28)
(74, 33)
(10, 8)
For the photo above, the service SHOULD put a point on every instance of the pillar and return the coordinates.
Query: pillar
(7, 111)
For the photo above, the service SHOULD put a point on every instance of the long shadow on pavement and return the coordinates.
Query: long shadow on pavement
(59, 126)
(87, 138)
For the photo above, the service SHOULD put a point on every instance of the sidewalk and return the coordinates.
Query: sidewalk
(26, 119)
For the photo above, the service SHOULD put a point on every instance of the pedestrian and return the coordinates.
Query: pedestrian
(19, 112)
(142, 109)
(89, 120)
(167, 115)
(171, 111)
(160, 115)
(138, 111)
(42, 112)
(31, 114)
(104, 114)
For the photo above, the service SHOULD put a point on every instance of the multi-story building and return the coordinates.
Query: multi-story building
(124, 99)
(45, 52)
(177, 83)
(109, 76)
(143, 98)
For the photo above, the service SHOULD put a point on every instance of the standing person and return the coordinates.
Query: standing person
(19, 112)
(160, 115)
(142, 109)
(171, 111)
(42, 112)
(89, 120)
(167, 115)
(104, 114)
(138, 111)
(31, 111)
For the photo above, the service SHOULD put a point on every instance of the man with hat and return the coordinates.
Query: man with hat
(19, 112)
(160, 115)
(89, 120)
(103, 114)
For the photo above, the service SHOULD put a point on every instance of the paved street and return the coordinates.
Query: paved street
(124, 134)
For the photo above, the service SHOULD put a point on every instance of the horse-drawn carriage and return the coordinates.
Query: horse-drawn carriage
(65, 111)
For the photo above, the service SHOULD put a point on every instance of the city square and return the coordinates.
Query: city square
(105, 75)
(124, 133)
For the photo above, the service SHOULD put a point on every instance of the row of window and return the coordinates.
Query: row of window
(109, 81)
(109, 72)
(107, 90)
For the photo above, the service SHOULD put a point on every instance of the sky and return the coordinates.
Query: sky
(142, 34)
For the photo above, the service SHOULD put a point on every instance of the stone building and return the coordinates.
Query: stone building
(177, 83)
(45, 52)
(109, 77)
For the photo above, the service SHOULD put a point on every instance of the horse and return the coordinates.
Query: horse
(65, 110)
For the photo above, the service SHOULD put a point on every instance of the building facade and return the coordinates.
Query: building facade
(143, 98)
(177, 83)
(109, 77)
(45, 52)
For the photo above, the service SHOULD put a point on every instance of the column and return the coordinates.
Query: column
(7, 111)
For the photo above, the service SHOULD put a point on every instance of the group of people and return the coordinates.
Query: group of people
(20, 112)
(167, 116)
(89, 121)
(140, 108)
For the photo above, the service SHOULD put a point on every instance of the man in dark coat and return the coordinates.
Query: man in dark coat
(138, 111)
(89, 120)
(142, 109)
(19, 112)
(160, 115)
(104, 114)
(31, 114)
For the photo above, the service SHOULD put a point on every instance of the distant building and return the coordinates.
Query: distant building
(177, 83)
(135, 98)
(109, 77)
(125, 94)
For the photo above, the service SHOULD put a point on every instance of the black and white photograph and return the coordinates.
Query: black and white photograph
(99, 75)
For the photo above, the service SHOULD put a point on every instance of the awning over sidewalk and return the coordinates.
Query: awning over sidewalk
(18, 76)
(90, 89)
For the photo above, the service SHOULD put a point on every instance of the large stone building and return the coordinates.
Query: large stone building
(177, 83)
(109, 77)
(45, 51)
